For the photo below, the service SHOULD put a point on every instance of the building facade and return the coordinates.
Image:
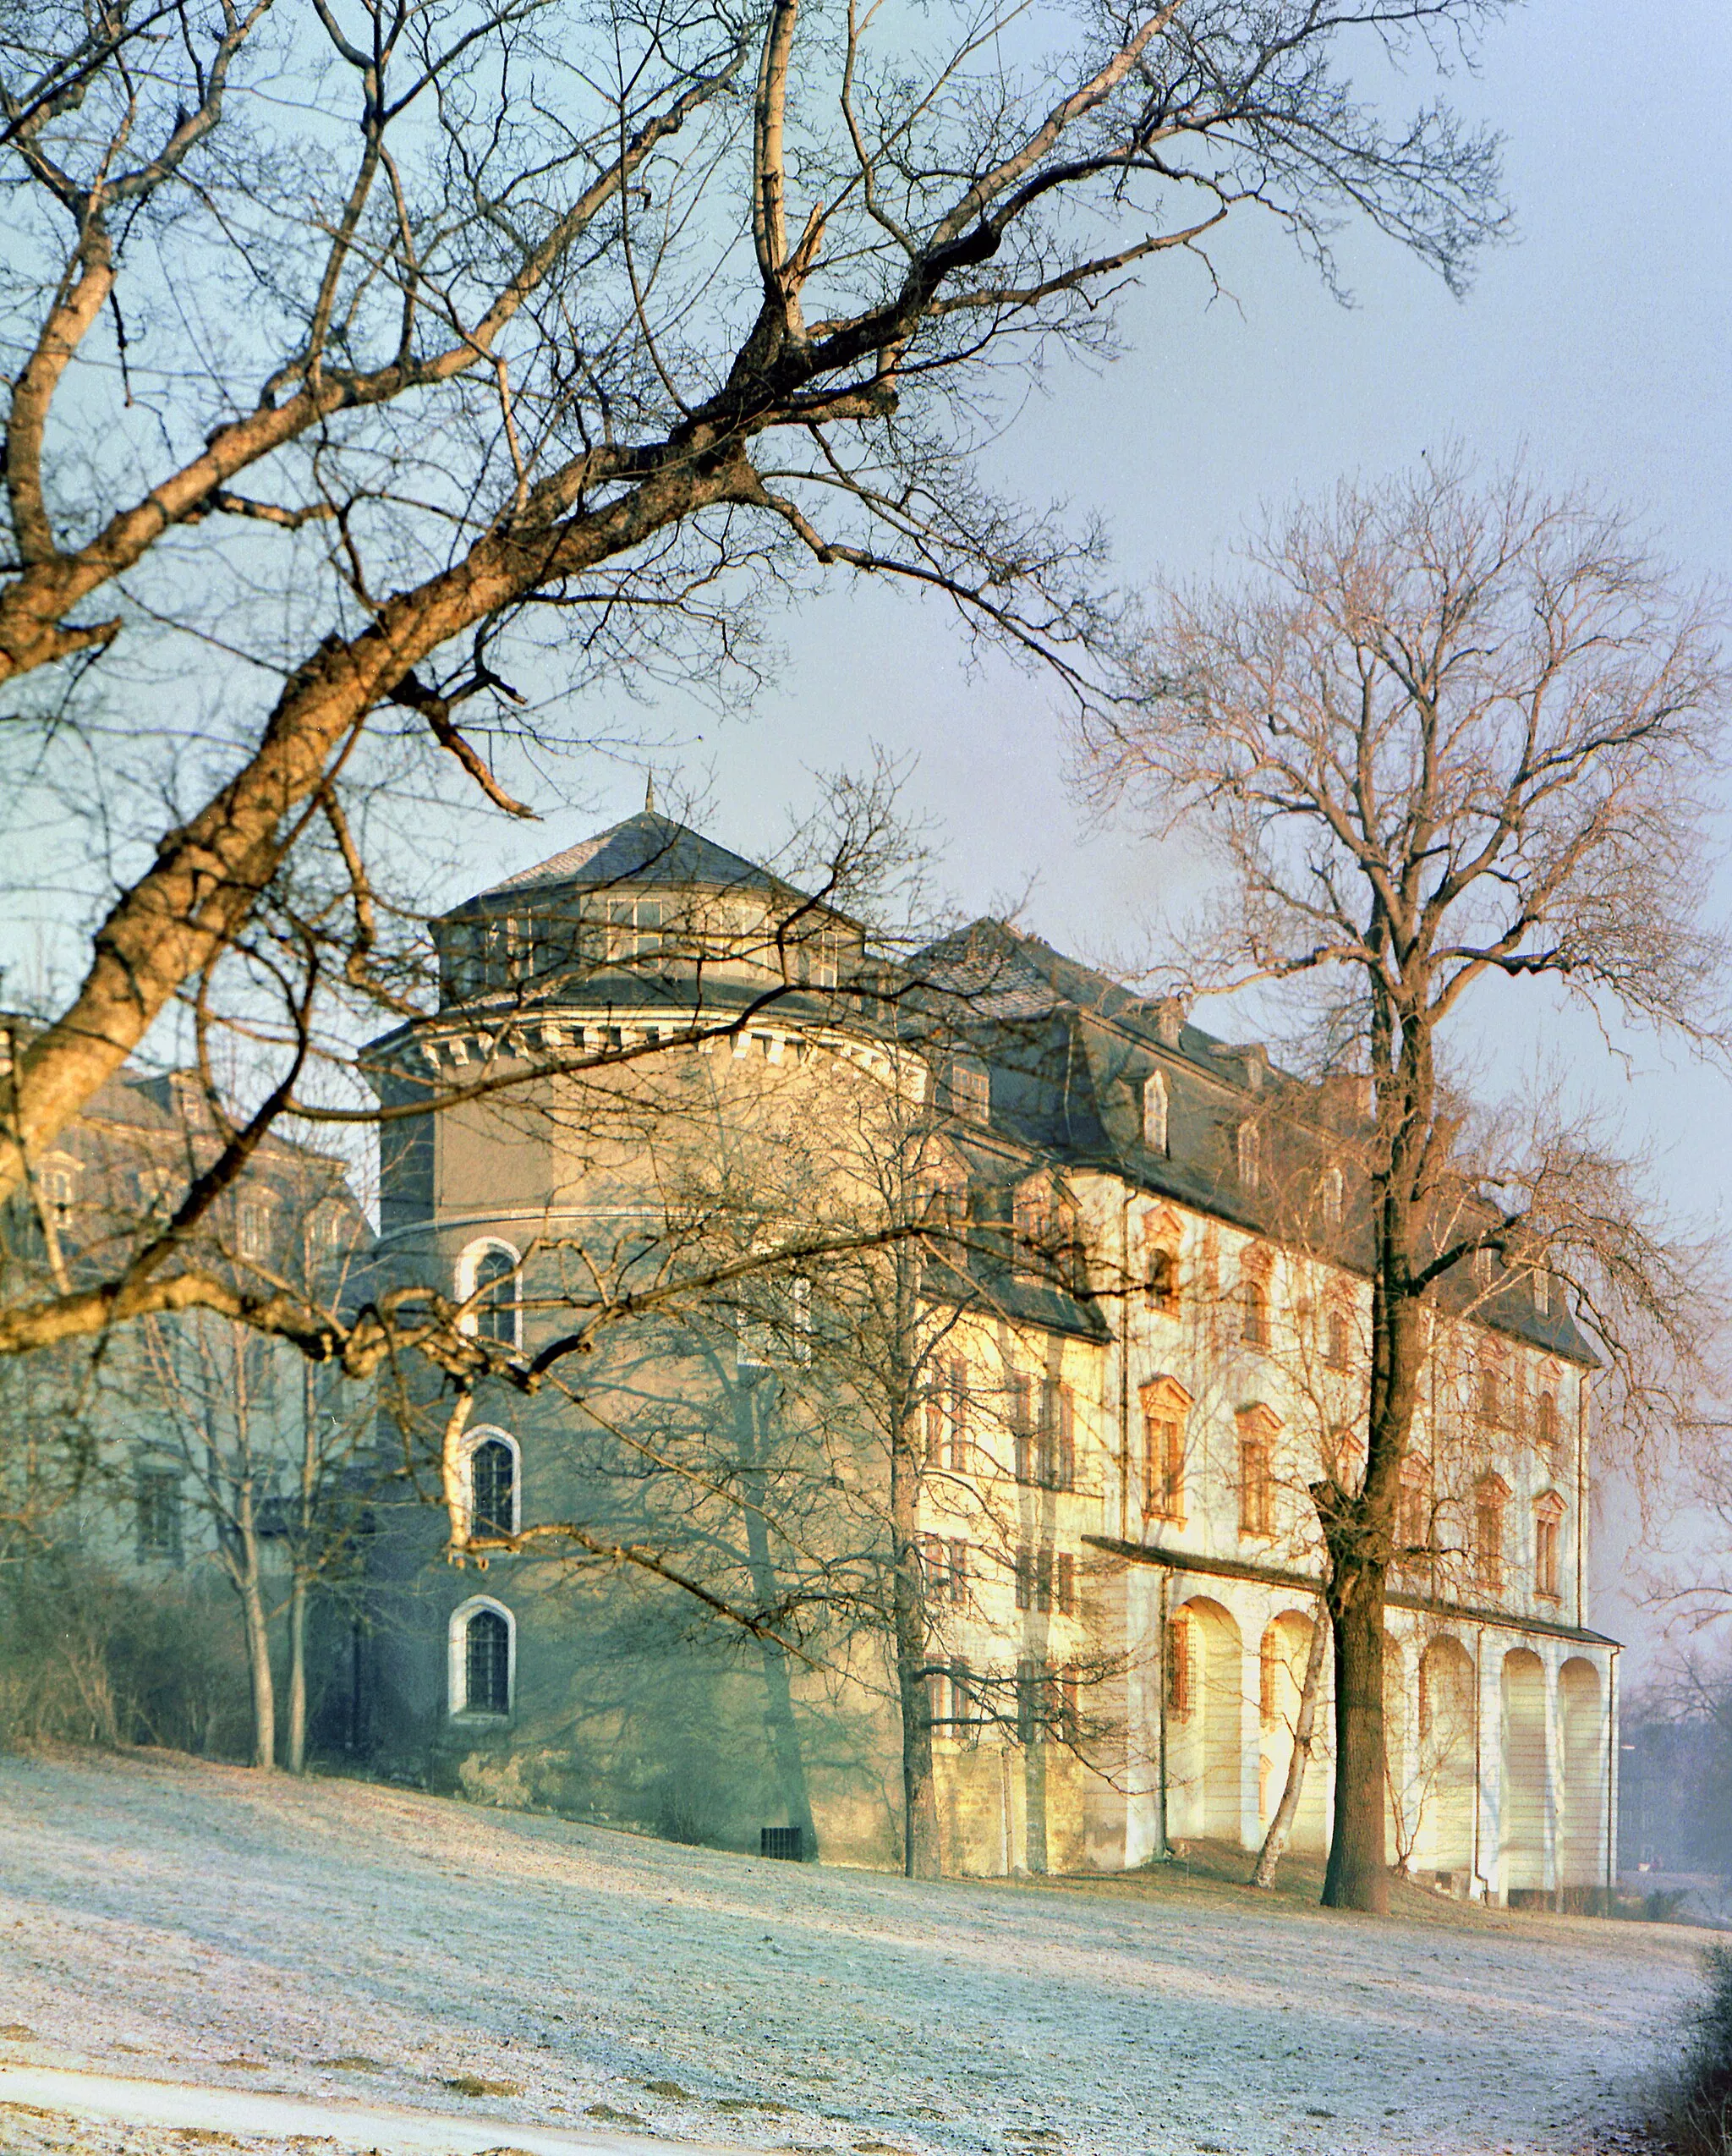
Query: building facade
(1131, 1348)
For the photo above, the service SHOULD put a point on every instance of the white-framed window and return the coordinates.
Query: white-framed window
(1334, 1192)
(1542, 1289)
(776, 1329)
(1249, 1156)
(1154, 1112)
(488, 1271)
(252, 1227)
(1483, 1267)
(58, 1182)
(482, 1676)
(493, 1482)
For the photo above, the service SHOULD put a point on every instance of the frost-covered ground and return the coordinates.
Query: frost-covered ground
(177, 1920)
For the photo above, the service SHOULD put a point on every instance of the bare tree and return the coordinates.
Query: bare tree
(352, 349)
(1449, 735)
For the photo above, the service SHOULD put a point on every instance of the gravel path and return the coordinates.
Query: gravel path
(176, 1920)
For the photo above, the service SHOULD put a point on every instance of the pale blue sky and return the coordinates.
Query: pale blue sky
(1597, 342)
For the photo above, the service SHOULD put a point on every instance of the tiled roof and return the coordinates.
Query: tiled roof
(645, 849)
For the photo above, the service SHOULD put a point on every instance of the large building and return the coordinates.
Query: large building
(1136, 1336)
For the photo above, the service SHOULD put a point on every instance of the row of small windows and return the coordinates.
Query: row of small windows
(1044, 1578)
(1041, 1703)
(1165, 1405)
(512, 951)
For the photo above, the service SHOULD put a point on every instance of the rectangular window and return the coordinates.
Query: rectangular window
(1066, 1718)
(1042, 1580)
(961, 1695)
(956, 1586)
(1021, 1421)
(1164, 1466)
(1180, 1674)
(934, 1429)
(1064, 1583)
(1545, 1556)
(1050, 1460)
(1025, 1576)
(1256, 1487)
(958, 1402)
(1488, 1539)
(1028, 1690)
(159, 1514)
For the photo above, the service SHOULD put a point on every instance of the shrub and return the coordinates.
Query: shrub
(1696, 2116)
(92, 1658)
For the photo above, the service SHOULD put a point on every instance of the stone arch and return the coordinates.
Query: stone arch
(1523, 1809)
(1584, 1772)
(1204, 1742)
(1286, 1644)
(1446, 1790)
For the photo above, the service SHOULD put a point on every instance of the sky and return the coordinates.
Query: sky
(1595, 344)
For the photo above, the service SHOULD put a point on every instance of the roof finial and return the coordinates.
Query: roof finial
(649, 794)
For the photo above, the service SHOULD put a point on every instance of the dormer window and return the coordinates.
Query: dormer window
(1542, 1291)
(1249, 1156)
(1482, 1268)
(1334, 1189)
(1154, 1112)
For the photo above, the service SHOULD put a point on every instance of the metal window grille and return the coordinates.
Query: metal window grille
(487, 1663)
(491, 1477)
(786, 1844)
(495, 1310)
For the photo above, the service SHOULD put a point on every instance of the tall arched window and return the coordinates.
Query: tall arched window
(1154, 1112)
(1249, 1156)
(493, 1477)
(1335, 1340)
(483, 1643)
(487, 1280)
(1334, 1189)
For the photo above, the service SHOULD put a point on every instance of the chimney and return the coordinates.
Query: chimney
(1169, 1020)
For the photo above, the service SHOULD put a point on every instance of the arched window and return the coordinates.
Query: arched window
(1546, 1421)
(1253, 1311)
(1542, 1289)
(487, 1279)
(1334, 1189)
(493, 1488)
(483, 1643)
(1250, 1155)
(1334, 1350)
(1154, 1112)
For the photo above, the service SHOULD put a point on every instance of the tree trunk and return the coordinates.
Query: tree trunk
(920, 1849)
(295, 1736)
(1358, 1877)
(258, 1632)
(295, 1732)
(1274, 1842)
(779, 1723)
(249, 1586)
